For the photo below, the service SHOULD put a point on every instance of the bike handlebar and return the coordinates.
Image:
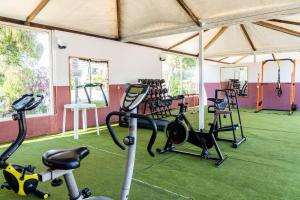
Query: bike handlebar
(27, 102)
(137, 116)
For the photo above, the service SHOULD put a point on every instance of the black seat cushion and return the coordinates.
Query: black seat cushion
(65, 159)
(215, 100)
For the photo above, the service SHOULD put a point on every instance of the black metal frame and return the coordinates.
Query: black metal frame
(195, 138)
(231, 98)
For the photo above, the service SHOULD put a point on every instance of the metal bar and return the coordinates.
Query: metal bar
(201, 80)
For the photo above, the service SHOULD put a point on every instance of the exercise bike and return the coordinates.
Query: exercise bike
(180, 131)
(21, 179)
(65, 161)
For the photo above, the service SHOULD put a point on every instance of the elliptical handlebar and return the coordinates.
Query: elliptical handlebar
(27, 102)
(137, 116)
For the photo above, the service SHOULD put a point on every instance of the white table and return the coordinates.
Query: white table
(76, 108)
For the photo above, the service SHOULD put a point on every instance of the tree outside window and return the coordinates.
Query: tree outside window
(180, 73)
(24, 67)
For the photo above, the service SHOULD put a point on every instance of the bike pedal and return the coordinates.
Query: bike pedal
(86, 192)
(57, 182)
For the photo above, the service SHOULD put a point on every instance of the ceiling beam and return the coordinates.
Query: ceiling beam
(285, 22)
(36, 11)
(223, 58)
(118, 10)
(183, 41)
(278, 28)
(247, 37)
(246, 17)
(215, 38)
(189, 12)
(239, 60)
(217, 61)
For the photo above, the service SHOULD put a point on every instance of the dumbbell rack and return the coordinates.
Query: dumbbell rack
(158, 101)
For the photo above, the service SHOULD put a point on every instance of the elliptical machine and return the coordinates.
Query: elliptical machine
(131, 99)
(21, 179)
(181, 131)
(63, 162)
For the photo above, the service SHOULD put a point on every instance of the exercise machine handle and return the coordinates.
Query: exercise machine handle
(154, 130)
(132, 115)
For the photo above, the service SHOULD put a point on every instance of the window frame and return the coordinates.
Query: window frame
(51, 61)
(89, 59)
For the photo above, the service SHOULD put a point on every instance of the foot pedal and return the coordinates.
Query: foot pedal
(86, 192)
(57, 182)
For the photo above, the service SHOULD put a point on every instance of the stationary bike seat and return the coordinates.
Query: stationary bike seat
(65, 159)
(215, 100)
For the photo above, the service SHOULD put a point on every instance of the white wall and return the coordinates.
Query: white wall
(127, 62)
(212, 71)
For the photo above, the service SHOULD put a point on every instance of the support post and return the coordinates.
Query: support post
(201, 81)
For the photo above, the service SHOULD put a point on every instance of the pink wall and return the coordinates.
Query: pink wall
(53, 124)
(271, 100)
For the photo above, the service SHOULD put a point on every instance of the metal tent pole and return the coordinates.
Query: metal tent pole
(201, 81)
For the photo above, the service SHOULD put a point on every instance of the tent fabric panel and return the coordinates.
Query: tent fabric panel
(140, 16)
(221, 8)
(230, 42)
(16, 9)
(166, 41)
(265, 38)
(93, 16)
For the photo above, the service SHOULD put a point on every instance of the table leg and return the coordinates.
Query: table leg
(76, 113)
(96, 117)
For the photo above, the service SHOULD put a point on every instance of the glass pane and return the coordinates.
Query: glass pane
(180, 74)
(86, 72)
(24, 67)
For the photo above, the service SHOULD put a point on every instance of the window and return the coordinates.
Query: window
(86, 71)
(180, 73)
(24, 67)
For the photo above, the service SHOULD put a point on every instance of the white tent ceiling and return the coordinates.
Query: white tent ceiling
(164, 23)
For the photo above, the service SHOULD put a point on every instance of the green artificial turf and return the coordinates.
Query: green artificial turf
(265, 167)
